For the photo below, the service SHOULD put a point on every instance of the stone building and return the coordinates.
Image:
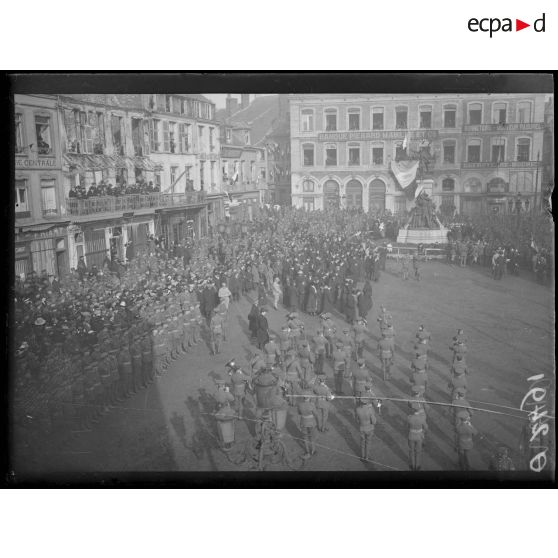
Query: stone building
(474, 153)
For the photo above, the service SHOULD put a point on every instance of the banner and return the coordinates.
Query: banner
(405, 172)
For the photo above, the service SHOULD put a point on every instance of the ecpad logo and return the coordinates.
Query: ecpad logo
(494, 24)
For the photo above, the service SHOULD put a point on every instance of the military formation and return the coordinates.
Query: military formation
(88, 342)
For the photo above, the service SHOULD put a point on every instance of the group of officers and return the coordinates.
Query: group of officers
(294, 363)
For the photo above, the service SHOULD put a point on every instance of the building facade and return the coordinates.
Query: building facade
(40, 215)
(479, 153)
(165, 147)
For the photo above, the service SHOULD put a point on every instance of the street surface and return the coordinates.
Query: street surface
(169, 426)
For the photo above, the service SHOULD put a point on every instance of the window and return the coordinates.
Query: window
(449, 152)
(449, 116)
(183, 144)
(20, 142)
(378, 155)
(168, 103)
(400, 152)
(354, 119)
(212, 172)
(448, 185)
(330, 120)
(228, 135)
(137, 136)
(155, 143)
(523, 149)
(48, 196)
(158, 180)
(308, 155)
(173, 171)
(21, 201)
(331, 155)
(117, 135)
(354, 154)
(307, 186)
(202, 182)
(307, 120)
(498, 150)
(172, 136)
(166, 136)
(42, 128)
(211, 144)
(524, 112)
(401, 118)
(378, 118)
(475, 113)
(253, 171)
(200, 138)
(499, 112)
(426, 117)
(474, 151)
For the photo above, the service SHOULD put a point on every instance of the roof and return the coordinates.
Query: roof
(258, 116)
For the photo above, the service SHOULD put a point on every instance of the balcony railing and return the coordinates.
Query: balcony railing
(131, 202)
(507, 127)
(503, 164)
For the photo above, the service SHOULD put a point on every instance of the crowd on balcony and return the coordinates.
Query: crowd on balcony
(107, 189)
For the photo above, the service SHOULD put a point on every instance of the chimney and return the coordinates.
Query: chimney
(244, 100)
(231, 106)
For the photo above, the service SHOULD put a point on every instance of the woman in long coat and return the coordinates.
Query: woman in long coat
(312, 299)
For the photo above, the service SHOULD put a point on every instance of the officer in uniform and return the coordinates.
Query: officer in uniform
(366, 418)
(239, 383)
(386, 355)
(348, 346)
(458, 381)
(465, 432)
(216, 332)
(285, 341)
(272, 352)
(339, 356)
(320, 347)
(459, 349)
(423, 334)
(223, 311)
(306, 358)
(324, 396)
(360, 331)
(330, 330)
(388, 331)
(308, 422)
(293, 375)
(418, 376)
(417, 431)
(361, 379)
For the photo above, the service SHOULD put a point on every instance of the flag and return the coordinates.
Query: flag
(405, 172)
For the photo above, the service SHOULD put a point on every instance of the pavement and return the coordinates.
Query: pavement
(169, 426)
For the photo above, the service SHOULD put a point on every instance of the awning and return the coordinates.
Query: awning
(81, 162)
(144, 163)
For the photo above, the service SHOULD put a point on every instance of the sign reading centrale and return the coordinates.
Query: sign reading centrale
(29, 163)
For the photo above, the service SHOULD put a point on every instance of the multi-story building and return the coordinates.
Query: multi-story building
(40, 216)
(72, 142)
(478, 153)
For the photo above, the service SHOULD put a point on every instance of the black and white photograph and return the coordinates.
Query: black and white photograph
(294, 280)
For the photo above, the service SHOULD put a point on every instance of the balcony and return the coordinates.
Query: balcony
(503, 164)
(131, 202)
(507, 127)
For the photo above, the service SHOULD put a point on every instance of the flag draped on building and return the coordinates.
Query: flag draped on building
(405, 173)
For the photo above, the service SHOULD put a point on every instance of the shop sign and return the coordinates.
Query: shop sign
(35, 163)
(378, 135)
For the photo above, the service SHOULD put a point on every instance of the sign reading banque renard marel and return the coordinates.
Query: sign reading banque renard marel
(377, 135)
(35, 163)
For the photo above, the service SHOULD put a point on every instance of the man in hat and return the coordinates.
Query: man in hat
(239, 381)
(262, 334)
(361, 379)
(458, 348)
(366, 418)
(320, 344)
(324, 396)
(307, 359)
(307, 423)
(348, 346)
(272, 352)
(423, 334)
(293, 375)
(385, 353)
(330, 330)
(285, 341)
(360, 331)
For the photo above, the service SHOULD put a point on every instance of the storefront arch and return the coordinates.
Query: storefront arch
(353, 192)
(331, 194)
(377, 195)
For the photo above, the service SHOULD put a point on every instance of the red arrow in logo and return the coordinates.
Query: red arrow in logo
(519, 25)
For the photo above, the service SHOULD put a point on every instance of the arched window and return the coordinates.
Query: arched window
(449, 116)
(378, 118)
(330, 119)
(499, 113)
(425, 116)
(472, 185)
(354, 194)
(307, 120)
(524, 110)
(354, 118)
(401, 118)
(497, 186)
(475, 113)
(307, 185)
(377, 153)
(330, 155)
(448, 185)
(498, 150)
